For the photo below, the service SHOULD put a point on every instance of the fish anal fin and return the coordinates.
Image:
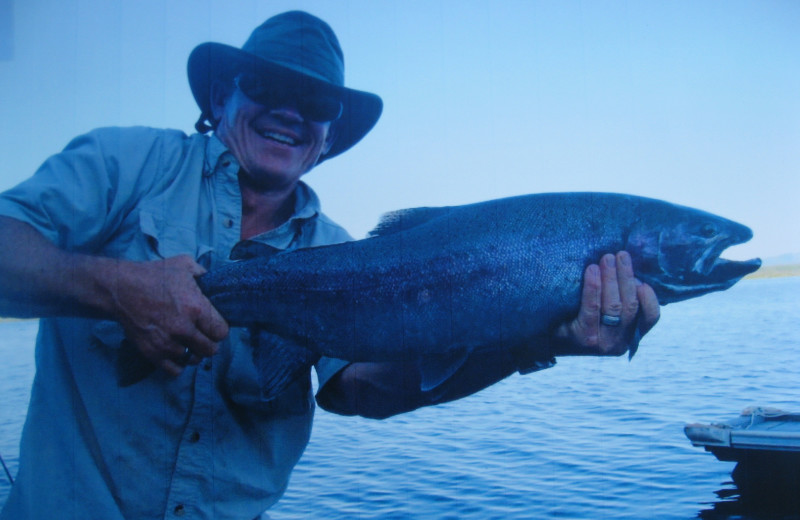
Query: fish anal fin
(438, 368)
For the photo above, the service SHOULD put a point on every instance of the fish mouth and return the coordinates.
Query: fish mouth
(713, 269)
(709, 273)
(728, 272)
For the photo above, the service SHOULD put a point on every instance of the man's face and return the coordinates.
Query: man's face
(276, 145)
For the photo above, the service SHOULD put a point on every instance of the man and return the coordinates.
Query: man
(105, 241)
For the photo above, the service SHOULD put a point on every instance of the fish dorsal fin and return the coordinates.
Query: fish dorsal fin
(404, 219)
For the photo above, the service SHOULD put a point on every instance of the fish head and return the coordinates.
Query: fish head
(678, 253)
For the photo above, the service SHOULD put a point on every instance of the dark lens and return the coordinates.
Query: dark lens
(321, 108)
(314, 106)
(262, 92)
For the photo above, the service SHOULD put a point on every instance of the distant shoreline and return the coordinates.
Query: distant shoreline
(776, 271)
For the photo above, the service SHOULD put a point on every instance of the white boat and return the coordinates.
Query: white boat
(765, 442)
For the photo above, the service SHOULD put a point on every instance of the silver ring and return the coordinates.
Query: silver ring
(187, 355)
(611, 321)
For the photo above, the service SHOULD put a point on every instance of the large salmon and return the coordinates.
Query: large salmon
(450, 280)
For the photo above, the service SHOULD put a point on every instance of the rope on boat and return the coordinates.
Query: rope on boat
(8, 473)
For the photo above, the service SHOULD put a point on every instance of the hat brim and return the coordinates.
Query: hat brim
(216, 61)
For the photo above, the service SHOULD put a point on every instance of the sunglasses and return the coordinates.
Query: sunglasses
(314, 106)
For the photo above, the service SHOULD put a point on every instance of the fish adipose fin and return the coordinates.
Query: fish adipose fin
(279, 361)
(404, 219)
(435, 369)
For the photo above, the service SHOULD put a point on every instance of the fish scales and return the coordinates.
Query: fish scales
(438, 283)
(485, 275)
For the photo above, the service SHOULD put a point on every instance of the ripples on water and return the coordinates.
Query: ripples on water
(588, 439)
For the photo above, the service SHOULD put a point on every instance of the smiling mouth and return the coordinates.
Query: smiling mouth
(279, 137)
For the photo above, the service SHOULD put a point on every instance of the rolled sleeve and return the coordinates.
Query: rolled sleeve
(79, 197)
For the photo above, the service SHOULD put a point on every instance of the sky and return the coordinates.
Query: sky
(694, 102)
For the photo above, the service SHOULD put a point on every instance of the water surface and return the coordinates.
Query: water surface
(589, 439)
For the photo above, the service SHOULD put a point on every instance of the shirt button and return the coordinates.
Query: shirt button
(194, 437)
(207, 366)
(228, 223)
(179, 510)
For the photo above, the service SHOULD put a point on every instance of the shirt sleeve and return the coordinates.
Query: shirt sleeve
(327, 368)
(78, 197)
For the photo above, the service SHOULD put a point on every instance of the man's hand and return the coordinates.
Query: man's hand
(164, 314)
(610, 290)
(158, 303)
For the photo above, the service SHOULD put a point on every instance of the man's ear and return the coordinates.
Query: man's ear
(219, 94)
(330, 138)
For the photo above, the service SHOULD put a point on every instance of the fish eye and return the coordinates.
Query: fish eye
(708, 230)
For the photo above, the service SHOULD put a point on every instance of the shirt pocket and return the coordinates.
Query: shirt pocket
(163, 239)
(167, 236)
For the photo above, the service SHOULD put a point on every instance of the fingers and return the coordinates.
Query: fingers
(171, 367)
(619, 303)
(627, 287)
(611, 301)
(184, 347)
(619, 288)
(199, 325)
(211, 324)
(609, 290)
(587, 323)
(166, 353)
(650, 309)
(623, 296)
(208, 321)
(199, 343)
(167, 317)
(189, 264)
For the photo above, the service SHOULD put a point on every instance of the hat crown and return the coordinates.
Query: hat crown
(300, 42)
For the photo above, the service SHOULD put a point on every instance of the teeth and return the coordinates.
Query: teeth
(281, 138)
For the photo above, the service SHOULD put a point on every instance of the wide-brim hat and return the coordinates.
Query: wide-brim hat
(295, 47)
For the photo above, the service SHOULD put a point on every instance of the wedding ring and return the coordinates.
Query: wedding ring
(611, 321)
(187, 355)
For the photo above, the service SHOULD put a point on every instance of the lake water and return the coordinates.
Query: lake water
(589, 439)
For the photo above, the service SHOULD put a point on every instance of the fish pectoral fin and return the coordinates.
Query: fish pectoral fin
(279, 361)
(435, 369)
(404, 219)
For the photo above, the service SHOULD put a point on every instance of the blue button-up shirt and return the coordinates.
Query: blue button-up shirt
(203, 444)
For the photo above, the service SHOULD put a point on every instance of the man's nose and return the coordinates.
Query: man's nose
(288, 112)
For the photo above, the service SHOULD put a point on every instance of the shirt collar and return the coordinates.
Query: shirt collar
(306, 207)
(218, 156)
(306, 202)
